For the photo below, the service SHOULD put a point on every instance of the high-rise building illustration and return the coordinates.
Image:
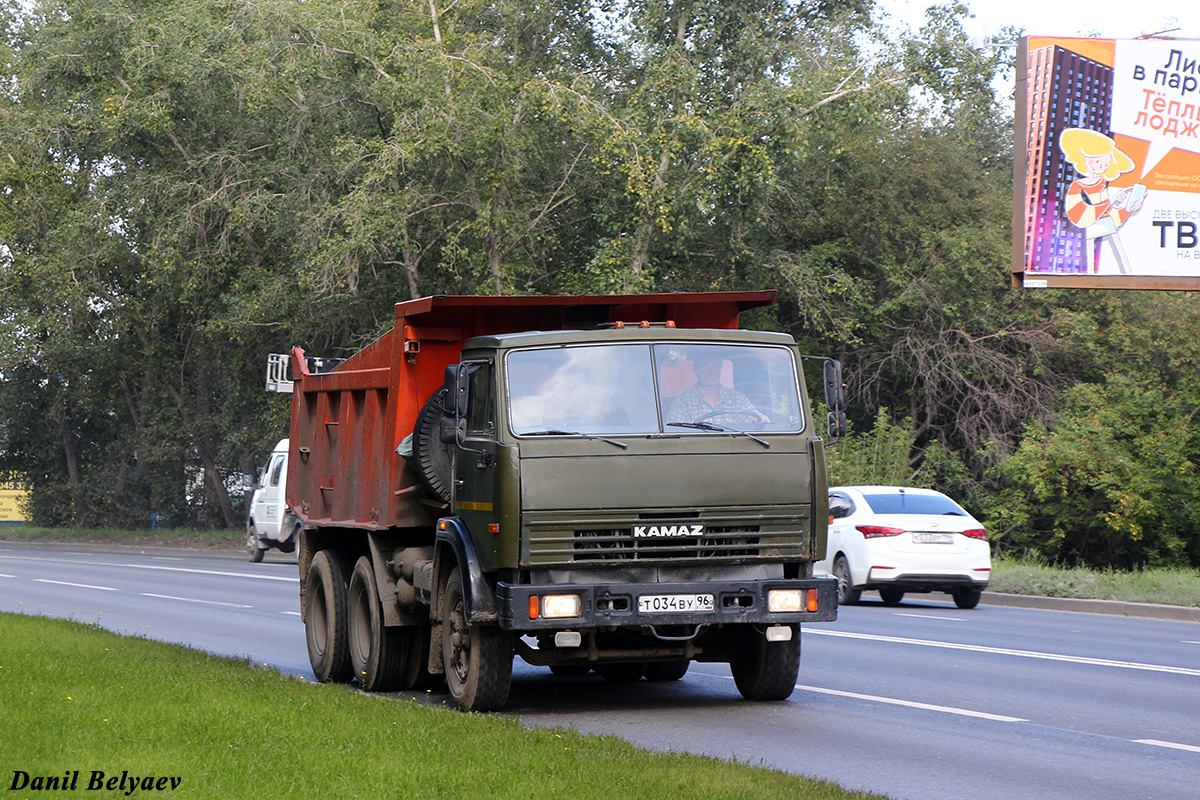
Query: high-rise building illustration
(1064, 90)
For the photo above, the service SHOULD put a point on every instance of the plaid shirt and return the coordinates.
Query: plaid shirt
(692, 407)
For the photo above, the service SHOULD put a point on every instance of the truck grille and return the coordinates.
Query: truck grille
(559, 539)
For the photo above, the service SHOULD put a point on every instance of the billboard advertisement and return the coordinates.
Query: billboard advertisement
(13, 494)
(1107, 164)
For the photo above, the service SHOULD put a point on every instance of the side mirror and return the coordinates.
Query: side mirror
(837, 424)
(450, 381)
(835, 391)
(447, 431)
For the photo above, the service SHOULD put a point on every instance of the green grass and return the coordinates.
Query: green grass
(76, 697)
(163, 537)
(1177, 587)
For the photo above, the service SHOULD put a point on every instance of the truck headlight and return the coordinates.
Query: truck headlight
(561, 606)
(785, 601)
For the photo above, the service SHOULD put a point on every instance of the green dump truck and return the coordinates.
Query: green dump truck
(618, 484)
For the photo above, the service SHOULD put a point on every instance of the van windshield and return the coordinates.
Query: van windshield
(640, 388)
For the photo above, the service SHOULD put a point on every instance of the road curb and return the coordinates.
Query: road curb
(1112, 607)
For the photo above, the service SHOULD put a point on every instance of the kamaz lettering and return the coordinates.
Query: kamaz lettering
(652, 531)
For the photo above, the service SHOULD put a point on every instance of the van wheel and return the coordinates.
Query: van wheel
(255, 552)
(766, 670)
(478, 658)
(326, 619)
(377, 653)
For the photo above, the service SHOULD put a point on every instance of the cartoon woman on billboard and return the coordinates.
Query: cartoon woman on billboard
(1090, 203)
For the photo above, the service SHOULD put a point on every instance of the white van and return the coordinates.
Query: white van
(270, 522)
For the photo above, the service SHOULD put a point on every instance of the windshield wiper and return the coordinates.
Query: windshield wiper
(557, 432)
(708, 426)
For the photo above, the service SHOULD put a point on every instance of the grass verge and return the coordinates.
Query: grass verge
(159, 537)
(1176, 587)
(77, 697)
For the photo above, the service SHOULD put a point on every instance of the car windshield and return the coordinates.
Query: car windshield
(652, 388)
(909, 503)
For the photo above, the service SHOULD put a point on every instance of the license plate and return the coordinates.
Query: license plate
(933, 538)
(674, 603)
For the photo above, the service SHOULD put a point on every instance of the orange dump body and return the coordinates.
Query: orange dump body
(343, 468)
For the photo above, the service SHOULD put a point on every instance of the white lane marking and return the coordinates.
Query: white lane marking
(194, 600)
(291, 613)
(1185, 641)
(295, 579)
(931, 616)
(964, 712)
(76, 585)
(1173, 745)
(2, 575)
(1002, 651)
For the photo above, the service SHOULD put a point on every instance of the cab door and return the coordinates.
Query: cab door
(474, 491)
(268, 499)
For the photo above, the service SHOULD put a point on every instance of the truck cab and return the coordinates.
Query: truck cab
(271, 523)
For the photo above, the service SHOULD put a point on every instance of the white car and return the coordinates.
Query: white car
(896, 540)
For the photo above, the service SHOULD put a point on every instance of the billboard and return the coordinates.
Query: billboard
(1107, 164)
(13, 495)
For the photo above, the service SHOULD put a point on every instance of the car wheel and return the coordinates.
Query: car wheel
(967, 598)
(847, 595)
(326, 617)
(891, 597)
(254, 552)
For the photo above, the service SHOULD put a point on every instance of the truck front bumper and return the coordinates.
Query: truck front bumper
(521, 607)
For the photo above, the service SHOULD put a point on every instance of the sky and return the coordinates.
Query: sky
(1104, 18)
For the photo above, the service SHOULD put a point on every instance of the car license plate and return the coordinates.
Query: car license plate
(933, 538)
(674, 603)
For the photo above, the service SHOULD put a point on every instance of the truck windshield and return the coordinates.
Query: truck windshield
(652, 388)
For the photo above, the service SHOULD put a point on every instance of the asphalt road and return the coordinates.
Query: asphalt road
(922, 701)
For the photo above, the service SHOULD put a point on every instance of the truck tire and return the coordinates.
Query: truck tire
(766, 670)
(478, 658)
(253, 550)
(625, 672)
(377, 653)
(326, 617)
(667, 670)
(417, 676)
(431, 455)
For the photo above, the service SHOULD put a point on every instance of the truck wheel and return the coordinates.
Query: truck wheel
(666, 670)
(326, 617)
(416, 673)
(622, 672)
(766, 670)
(430, 453)
(847, 595)
(377, 652)
(252, 549)
(478, 658)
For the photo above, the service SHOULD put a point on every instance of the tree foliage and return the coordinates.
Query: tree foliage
(188, 186)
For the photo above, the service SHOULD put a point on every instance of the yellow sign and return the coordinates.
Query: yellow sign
(13, 496)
